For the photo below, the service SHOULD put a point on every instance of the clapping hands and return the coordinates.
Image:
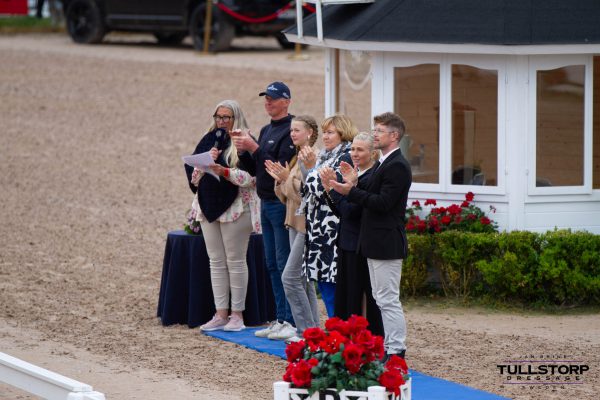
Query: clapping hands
(308, 157)
(350, 176)
(327, 174)
(349, 173)
(277, 171)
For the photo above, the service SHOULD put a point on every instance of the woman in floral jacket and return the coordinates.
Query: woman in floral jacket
(228, 210)
(320, 250)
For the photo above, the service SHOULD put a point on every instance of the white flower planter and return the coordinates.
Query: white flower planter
(284, 391)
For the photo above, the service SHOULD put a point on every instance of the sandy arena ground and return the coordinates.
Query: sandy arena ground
(91, 182)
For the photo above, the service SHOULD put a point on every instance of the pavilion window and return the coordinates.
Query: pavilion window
(417, 100)
(474, 126)
(560, 126)
(596, 128)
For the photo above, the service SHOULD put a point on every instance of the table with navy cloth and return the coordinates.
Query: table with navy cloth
(185, 290)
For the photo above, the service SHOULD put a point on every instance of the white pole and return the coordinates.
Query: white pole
(299, 22)
(319, 21)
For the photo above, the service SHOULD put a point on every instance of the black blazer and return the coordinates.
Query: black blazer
(349, 214)
(383, 200)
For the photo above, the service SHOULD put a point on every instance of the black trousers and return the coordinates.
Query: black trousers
(38, 8)
(352, 282)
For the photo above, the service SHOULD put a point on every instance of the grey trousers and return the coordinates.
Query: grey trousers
(385, 281)
(300, 293)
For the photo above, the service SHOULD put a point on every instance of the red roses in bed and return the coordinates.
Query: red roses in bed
(464, 217)
(343, 356)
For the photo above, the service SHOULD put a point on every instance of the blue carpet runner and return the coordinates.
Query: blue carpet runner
(424, 387)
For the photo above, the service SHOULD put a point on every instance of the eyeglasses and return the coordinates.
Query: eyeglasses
(380, 131)
(224, 118)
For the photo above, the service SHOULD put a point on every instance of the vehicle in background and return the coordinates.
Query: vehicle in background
(87, 21)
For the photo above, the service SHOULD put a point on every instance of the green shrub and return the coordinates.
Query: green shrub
(457, 254)
(510, 271)
(415, 267)
(554, 268)
(569, 268)
(24, 24)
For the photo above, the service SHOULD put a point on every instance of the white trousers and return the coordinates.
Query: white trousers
(227, 245)
(385, 281)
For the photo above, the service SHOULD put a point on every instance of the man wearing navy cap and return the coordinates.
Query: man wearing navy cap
(275, 144)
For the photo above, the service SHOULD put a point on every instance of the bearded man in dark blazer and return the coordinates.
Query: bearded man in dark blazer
(382, 237)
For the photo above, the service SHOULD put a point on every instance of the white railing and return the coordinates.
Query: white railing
(284, 391)
(43, 383)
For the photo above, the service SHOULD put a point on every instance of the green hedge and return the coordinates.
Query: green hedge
(554, 268)
(26, 24)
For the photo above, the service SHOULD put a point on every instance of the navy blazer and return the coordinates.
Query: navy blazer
(383, 200)
(214, 196)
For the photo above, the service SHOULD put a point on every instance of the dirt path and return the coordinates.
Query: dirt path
(90, 145)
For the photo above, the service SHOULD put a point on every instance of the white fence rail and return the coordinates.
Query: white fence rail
(43, 383)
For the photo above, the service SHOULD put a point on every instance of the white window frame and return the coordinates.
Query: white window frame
(544, 63)
(445, 61)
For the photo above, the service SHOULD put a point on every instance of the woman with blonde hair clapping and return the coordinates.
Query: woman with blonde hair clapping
(300, 293)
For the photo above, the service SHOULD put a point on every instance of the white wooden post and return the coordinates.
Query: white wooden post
(43, 383)
(377, 393)
(280, 390)
(406, 391)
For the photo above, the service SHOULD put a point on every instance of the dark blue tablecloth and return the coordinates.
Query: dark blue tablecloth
(185, 291)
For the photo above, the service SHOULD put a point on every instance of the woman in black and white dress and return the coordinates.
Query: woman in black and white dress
(320, 250)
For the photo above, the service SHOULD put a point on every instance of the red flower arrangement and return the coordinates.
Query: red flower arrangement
(345, 356)
(463, 217)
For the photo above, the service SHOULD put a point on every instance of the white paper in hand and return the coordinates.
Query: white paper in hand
(201, 161)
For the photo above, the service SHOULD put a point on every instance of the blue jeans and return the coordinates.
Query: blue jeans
(327, 290)
(276, 241)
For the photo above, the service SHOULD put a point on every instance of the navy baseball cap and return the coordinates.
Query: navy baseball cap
(277, 90)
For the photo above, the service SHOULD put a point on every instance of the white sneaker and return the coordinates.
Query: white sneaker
(274, 326)
(215, 324)
(285, 332)
(235, 324)
(293, 339)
